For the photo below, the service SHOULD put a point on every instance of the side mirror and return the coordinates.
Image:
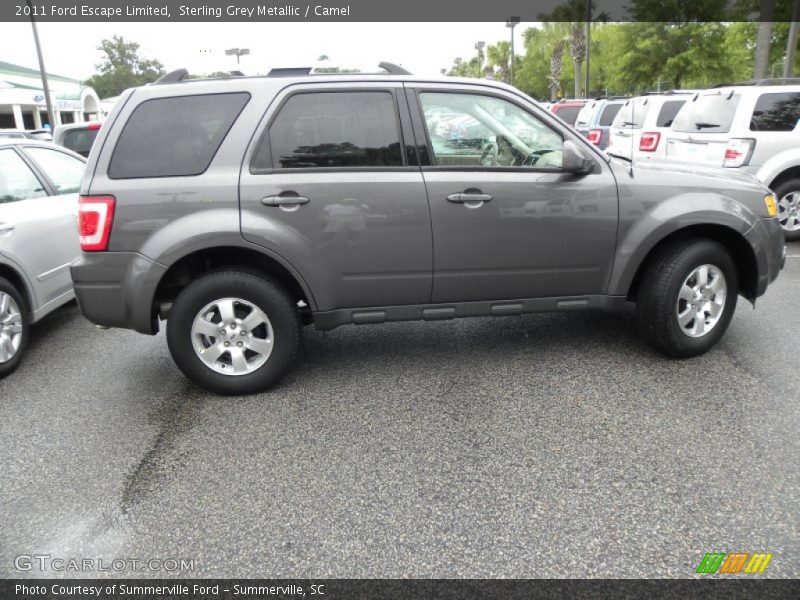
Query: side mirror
(574, 160)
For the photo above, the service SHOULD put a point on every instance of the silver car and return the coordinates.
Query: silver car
(38, 237)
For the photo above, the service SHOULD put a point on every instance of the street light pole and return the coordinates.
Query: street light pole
(588, 44)
(791, 44)
(237, 52)
(45, 86)
(511, 23)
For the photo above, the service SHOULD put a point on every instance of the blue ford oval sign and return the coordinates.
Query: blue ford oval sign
(38, 98)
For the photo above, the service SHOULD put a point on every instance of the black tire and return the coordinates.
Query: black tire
(9, 366)
(787, 187)
(264, 293)
(658, 296)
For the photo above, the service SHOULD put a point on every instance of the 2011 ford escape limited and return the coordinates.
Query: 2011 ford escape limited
(241, 209)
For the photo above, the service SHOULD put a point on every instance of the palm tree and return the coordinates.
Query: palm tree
(577, 47)
(499, 57)
(556, 66)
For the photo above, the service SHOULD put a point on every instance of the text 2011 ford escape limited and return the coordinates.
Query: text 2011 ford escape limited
(240, 209)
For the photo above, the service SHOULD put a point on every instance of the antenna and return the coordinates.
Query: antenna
(633, 133)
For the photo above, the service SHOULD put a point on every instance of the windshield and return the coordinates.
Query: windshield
(710, 113)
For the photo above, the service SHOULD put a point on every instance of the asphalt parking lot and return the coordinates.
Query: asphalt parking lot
(552, 445)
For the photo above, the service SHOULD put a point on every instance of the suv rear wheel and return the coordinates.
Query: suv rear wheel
(13, 327)
(788, 194)
(687, 297)
(234, 332)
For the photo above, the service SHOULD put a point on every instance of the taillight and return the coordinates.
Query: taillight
(95, 215)
(738, 152)
(93, 126)
(594, 136)
(649, 141)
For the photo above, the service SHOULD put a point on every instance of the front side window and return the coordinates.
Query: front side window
(332, 130)
(17, 181)
(776, 112)
(174, 137)
(471, 130)
(63, 170)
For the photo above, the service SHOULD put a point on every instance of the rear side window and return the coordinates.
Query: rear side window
(668, 112)
(17, 181)
(330, 130)
(709, 113)
(174, 137)
(608, 114)
(80, 140)
(776, 112)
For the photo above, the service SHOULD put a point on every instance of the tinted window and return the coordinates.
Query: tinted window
(63, 170)
(333, 129)
(709, 113)
(172, 137)
(470, 130)
(776, 112)
(80, 140)
(568, 113)
(17, 181)
(668, 111)
(608, 114)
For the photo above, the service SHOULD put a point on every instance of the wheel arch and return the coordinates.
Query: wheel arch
(743, 255)
(20, 283)
(187, 268)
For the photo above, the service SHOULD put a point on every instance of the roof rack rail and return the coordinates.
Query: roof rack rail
(393, 69)
(172, 77)
(289, 71)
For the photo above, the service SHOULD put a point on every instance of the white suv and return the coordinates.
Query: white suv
(638, 129)
(753, 128)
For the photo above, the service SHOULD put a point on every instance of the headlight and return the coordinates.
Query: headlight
(771, 204)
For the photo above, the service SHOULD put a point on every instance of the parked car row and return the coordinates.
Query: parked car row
(753, 128)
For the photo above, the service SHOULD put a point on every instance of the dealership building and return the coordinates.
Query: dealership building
(22, 101)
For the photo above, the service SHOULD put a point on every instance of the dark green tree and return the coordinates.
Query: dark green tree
(122, 68)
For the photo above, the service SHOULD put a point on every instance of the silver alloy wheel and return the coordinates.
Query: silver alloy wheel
(232, 336)
(701, 300)
(10, 327)
(789, 211)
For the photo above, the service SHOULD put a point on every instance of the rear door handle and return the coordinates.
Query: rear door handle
(464, 197)
(284, 199)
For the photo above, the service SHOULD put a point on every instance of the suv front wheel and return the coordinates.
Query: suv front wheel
(234, 332)
(687, 297)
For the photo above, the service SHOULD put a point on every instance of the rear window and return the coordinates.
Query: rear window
(568, 113)
(776, 112)
(80, 140)
(174, 137)
(631, 114)
(608, 114)
(585, 114)
(668, 112)
(709, 113)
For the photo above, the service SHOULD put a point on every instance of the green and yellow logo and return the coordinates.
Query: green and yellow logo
(734, 562)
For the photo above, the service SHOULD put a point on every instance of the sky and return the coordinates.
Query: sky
(70, 49)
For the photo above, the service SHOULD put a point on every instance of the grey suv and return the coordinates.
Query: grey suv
(239, 210)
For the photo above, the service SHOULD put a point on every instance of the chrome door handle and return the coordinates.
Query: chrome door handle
(284, 199)
(464, 197)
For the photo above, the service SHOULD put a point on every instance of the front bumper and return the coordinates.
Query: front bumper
(117, 289)
(766, 238)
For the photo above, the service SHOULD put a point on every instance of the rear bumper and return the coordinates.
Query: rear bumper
(766, 238)
(117, 289)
